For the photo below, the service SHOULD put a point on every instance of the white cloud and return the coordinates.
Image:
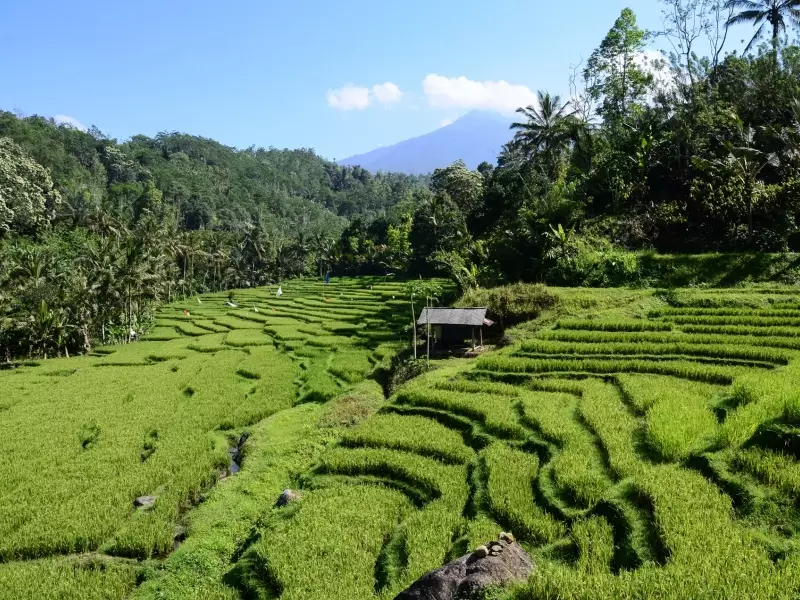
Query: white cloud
(446, 122)
(349, 97)
(387, 93)
(460, 92)
(71, 121)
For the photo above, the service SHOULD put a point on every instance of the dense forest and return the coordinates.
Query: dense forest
(694, 150)
(94, 233)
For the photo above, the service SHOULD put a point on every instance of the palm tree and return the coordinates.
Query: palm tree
(793, 132)
(189, 247)
(101, 261)
(545, 129)
(761, 12)
(745, 163)
(322, 245)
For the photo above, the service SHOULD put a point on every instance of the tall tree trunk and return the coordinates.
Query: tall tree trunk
(414, 326)
(776, 32)
(428, 304)
(749, 191)
(130, 314)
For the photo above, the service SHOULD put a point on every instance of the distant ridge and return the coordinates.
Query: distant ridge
(476, 137)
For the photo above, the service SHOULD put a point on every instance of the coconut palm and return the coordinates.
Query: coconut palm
(744, 163)
(747, 162)
(546, 129)
(759, 13)
(792, 137)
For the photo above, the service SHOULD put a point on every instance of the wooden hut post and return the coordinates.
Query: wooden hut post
(428, 323)
(473, 338)
(481, 330)
(414, 325)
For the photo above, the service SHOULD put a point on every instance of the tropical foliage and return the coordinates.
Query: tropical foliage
(648, 153)
(672, 153)
(94, 234)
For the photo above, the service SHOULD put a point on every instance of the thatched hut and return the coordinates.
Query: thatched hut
(455, 327)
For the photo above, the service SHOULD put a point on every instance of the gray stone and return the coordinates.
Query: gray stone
(286, 497)
(144, 501)
(466, 576)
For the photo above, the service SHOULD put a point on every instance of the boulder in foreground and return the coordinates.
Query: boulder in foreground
(144, 502)
(287, 496)
(497, 563)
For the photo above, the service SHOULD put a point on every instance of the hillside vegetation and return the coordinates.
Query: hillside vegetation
(639, 443)
(691, 151)
(175, 416)
(171, 360)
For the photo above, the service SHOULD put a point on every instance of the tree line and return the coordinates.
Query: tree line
(95, 233)
(693, 150)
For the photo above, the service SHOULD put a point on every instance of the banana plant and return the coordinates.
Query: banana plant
(559, 239)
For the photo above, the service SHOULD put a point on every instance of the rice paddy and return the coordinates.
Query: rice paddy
(646, 445)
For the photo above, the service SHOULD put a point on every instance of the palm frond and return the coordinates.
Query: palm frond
(748, 16)
(757, 36)
(747, 4)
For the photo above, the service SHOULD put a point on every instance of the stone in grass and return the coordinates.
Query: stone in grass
(468, 575)
(144, 502)
(286, 497)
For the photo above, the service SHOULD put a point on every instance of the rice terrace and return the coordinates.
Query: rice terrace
(638, 443)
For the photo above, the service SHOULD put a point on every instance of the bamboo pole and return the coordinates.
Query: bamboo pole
(428, 322)
(414, 325)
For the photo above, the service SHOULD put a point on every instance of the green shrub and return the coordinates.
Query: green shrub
(512, 303)
(594, 262)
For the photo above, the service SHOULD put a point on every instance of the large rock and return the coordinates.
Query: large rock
(497, 563)
(144, 502)
(286, 497)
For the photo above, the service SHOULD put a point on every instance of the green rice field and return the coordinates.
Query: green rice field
(639, 443)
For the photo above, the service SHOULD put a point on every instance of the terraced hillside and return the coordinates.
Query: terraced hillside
(165, 417)
(639, 444)
(633, 454)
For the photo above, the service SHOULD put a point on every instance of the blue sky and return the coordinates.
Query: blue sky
(267, 73)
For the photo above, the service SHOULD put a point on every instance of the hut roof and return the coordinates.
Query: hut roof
(474, 317)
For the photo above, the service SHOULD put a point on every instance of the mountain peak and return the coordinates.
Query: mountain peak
(475, 137)
(485, 115)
